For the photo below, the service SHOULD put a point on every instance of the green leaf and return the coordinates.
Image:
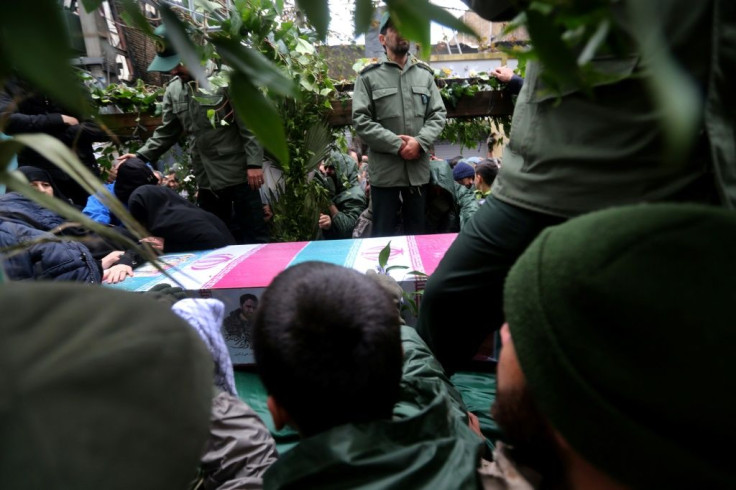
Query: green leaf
(208, 6)
(318, 13)
(363, 16)
(177, 34)
(553, 53)
(73, 214)
(304, 47)
(90, 5)
(412, 19)
(259, 115)
(515, 23)
(256, 67)
(541, 7)
(34, 41)
(57, 153)
(133, 17)
(384, 255)
(317, 142)
(595, 41)
(395, 267)
(445, 18)
(67, 211)
(674, 91)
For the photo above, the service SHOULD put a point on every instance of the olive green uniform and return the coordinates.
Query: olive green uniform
(575, 154)
(452, 208)
(389, 101)
(348, 197)
(221, 155)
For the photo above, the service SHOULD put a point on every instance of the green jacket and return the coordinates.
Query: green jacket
(346, 168)
(448, 211)
(221, 154)
(576, 154)
(349, 198)
(350, 203)
(427, 445)
(449, 206)
(389, 101)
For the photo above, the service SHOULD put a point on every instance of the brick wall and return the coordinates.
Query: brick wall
(141, 51)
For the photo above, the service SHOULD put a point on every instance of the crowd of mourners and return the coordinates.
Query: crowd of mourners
(605, 269)
(177, 225)
(232, 201)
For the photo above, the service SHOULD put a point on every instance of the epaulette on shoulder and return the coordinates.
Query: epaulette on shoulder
(424, 65)
(375, 63)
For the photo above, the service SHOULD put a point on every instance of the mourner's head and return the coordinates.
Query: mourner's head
(324, 332)
(390, 37)
(610, 316)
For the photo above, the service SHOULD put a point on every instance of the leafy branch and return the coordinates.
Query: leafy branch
(139, 98)
(452, 91)
(409, 300)
(471, 132)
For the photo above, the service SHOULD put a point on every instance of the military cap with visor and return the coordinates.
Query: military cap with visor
(166, 57)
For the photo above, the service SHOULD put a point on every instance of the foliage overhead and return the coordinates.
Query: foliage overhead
(138, 98)
(275, 68)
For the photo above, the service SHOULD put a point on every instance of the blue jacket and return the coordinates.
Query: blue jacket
(96, 210)
(22, 221)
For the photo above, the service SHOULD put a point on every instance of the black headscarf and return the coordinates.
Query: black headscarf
(183, 226)
(41, 175)
(132, 174)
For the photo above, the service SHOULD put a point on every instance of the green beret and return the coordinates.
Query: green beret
(99, 389)
(623, 324)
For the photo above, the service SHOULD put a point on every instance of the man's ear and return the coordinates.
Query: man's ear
(278, 414)
(382, 38)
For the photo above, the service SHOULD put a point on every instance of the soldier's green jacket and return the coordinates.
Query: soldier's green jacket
(221, 154)
(464, 204)
(350, 203)
(350, 199)
(442, 215)
(427, 445)
(575, 154)
(389, 101)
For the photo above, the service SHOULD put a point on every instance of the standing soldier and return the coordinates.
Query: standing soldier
(226, 159)
(398, 112)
